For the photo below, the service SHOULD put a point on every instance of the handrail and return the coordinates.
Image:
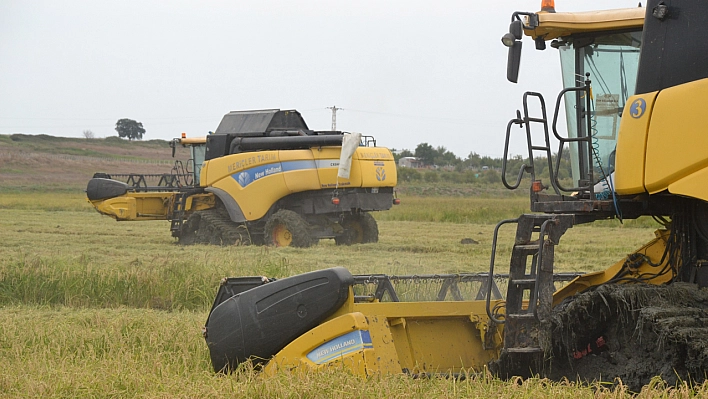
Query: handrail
(524, 167)
(580, 139)
(546, 136)
(530, 147)
(491, 269)
(538, 263)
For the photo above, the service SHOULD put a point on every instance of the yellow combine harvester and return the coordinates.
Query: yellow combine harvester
(262, 177)
(636, 80)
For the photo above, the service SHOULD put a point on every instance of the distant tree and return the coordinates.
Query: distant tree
(88, 134)
(398, 154)
(473, 160)
(444, 157)
(426, 153)
(405, 153)
(129, 128)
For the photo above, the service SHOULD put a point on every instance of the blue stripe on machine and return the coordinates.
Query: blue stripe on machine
(298, 165)
(248, 176)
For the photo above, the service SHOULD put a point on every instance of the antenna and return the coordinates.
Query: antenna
(334, 116)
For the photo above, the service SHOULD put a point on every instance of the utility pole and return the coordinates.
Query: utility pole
(334, 116)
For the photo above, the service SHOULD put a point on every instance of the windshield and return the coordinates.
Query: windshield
(198, 153)
(612, 61)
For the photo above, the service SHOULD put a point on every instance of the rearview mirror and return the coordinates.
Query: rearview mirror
(516, 29)
(513, 62)
(513, 41)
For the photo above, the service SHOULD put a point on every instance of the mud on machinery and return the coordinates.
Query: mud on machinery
(263, 177)
(635, 83)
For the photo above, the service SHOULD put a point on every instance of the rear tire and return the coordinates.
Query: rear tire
(359, 228)
(287, 228)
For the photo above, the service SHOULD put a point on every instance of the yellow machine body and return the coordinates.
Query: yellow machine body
(257, 180)
(662, 145)
(140, 206)
(437, 337)
(559, 24)
(395, 337)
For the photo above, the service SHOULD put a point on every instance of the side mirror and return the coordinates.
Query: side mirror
(513, 41)
(516, 29)
(513, 62)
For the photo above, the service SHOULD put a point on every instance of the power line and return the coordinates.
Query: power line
(334, 116)
(456, 121)
(108, 119)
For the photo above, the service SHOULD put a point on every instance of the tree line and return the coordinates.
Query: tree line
(472, 168)
(126, 128)
(442, 157)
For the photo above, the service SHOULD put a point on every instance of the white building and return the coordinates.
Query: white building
(410, 162)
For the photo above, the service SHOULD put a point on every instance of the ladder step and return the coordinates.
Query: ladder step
(540, 120)
(524, 281)
(540, 148)
(524, 350)
(528, 249)
(521, 316)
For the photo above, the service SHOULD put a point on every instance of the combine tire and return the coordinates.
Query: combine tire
(214, 227)
(633, 332)
(286, 228)
(188, 235)
(358, 229)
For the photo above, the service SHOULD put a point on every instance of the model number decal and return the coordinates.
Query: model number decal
(340, 346)
(638, 107)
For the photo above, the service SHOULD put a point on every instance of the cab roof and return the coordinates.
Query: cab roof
(559, 24)
(193, 140)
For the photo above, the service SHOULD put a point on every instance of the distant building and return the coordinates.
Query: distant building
(410, 162)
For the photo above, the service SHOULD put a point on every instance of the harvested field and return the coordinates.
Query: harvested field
(94, 308)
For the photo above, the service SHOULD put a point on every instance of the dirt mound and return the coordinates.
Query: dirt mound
(632, 332)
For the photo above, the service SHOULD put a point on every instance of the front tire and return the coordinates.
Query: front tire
(287, 228)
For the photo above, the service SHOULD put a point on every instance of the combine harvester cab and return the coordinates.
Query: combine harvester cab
(265, 178)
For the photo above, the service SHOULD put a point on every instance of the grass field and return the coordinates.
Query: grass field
(94, 308)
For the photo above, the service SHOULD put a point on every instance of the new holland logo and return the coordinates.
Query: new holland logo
(244, 178)
(380, 174)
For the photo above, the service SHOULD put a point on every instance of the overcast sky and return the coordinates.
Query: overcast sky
(405, 72)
